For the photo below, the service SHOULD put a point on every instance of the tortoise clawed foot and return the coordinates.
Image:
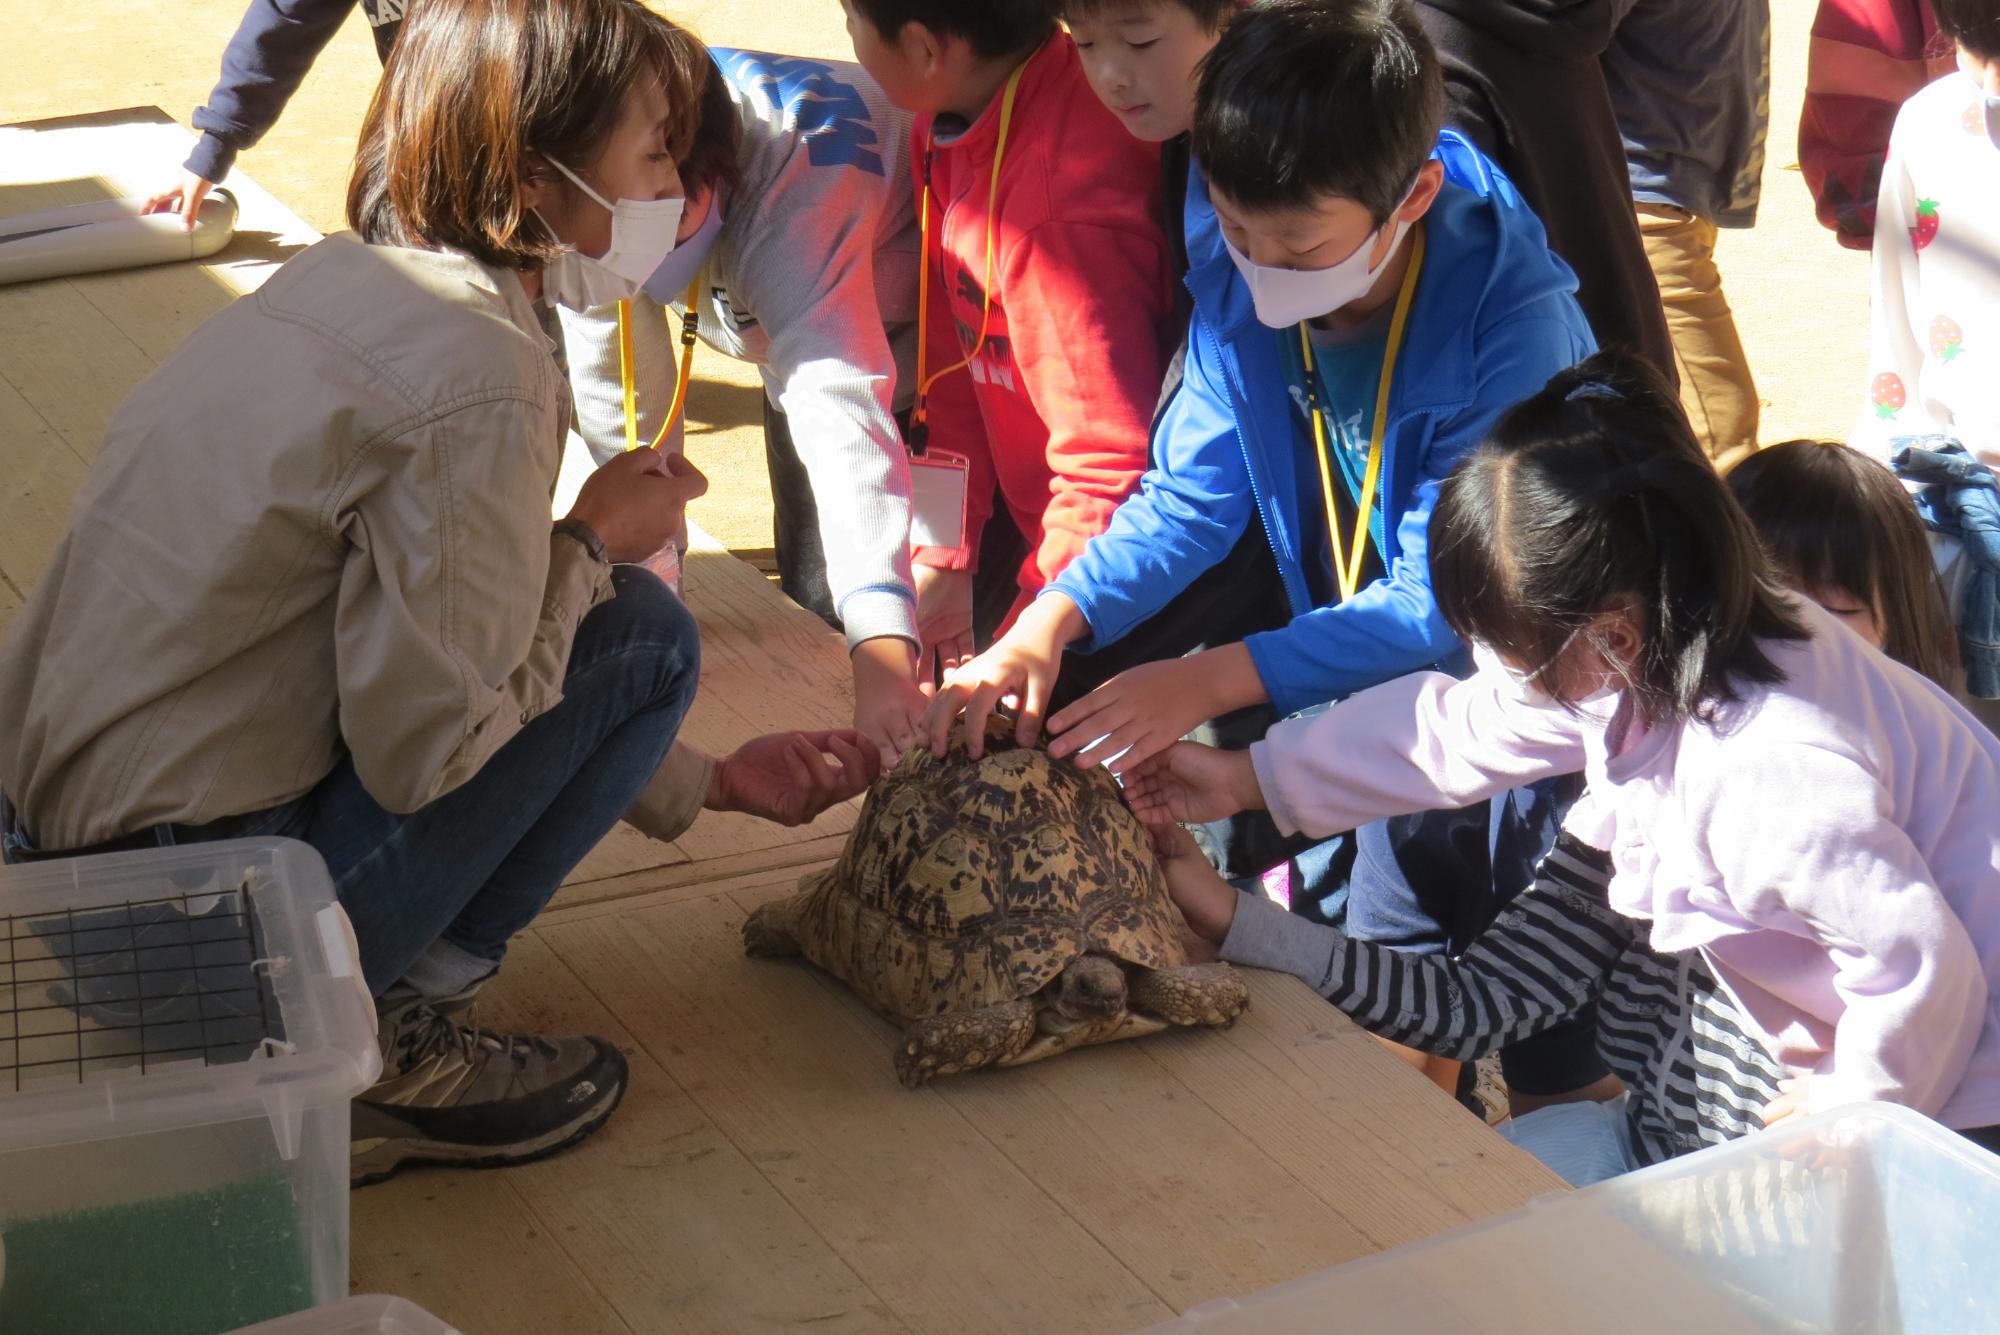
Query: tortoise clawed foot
(767, 933)
(1192, 995)
(960, 1041)
(913, 1068)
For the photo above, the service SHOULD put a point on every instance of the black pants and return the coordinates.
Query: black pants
(1525, 85)
(795, 531)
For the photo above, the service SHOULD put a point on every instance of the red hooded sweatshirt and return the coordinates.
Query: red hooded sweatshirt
(1058, 405)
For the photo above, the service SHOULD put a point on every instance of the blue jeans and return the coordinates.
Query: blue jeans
(476, 866)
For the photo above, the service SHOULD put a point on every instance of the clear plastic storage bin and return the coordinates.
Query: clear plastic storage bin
(181, 1031)
(1866, 1221)
(357, 1316)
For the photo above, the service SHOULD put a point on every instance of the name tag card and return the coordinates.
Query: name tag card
(938, 485)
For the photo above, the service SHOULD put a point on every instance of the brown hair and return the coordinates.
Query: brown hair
(1833, 519)
(473, 85)
(1213, 15)
(712, 160)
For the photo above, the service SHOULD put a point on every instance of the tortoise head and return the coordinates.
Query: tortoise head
(1092, 988)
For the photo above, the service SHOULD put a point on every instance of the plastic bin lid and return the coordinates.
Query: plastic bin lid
(1871, 1218)
(176, 987)
(356, 1316)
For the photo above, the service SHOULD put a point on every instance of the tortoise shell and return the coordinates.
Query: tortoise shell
(970, 882)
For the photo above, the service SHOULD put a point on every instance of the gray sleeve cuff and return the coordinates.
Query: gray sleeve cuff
(211, 159)
(878, 610)
(1265, 935)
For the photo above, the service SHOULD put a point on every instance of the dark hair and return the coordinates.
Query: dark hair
(1303, 99)
(1973, 24)
(994, 28)
(1213, 15)
(712, 159)
(1593, 493)
(472, 85)
(1831, 518)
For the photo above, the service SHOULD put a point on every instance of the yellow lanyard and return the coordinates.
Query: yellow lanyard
(1347, 563)
(690, 327)
(921, 418)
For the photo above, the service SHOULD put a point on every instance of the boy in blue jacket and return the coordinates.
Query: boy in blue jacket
(1369, 296)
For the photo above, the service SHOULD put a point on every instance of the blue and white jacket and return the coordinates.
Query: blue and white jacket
(1493, 318)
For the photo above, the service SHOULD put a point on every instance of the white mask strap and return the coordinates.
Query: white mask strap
(578, 182)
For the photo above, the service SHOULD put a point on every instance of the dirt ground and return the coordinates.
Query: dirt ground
(1801, 301)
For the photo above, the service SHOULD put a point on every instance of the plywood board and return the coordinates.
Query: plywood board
(39, 478)
(743, 876)
(1365, 1131)
(669, 1225)
(916, 1199)
(467, 1248)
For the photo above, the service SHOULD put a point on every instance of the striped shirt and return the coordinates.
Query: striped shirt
(1663, 1024)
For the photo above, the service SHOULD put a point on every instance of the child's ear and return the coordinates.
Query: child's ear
(1430, 180)
(925, 51)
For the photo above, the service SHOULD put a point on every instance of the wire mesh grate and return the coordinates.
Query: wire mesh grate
(132, 988)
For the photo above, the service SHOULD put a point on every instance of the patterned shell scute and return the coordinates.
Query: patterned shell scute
(968, 882)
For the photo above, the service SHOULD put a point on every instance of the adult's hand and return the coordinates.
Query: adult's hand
(791, 777)
(183, 197)
(1191, 783)
(635, 503)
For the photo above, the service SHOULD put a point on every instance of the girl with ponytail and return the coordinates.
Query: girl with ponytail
(1810, 818)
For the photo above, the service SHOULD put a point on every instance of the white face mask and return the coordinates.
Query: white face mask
(642, 236)
(1525, 686)
(669, 282)
(1284, 297)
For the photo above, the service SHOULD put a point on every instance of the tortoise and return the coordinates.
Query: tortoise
(1004, 909)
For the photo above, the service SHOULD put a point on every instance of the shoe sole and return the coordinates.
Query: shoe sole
(379, 1160)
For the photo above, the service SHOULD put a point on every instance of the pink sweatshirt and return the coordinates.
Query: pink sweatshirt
(1831, 845)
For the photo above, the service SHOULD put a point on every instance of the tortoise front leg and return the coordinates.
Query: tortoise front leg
(1190, 994)
(960, 1041)
(771, 932)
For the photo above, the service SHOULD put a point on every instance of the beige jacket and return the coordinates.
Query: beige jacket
(321, 526)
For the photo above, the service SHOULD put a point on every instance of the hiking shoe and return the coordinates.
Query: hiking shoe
(454, 1094)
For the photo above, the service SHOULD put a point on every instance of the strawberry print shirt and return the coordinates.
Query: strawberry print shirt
(1934, 341)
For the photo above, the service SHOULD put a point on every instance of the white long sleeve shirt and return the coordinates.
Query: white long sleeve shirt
(813, 279)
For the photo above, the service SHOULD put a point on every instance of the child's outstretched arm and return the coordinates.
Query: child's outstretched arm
(1020, 668)
(1424, 742)
(1542, 959)
(1189, 783)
